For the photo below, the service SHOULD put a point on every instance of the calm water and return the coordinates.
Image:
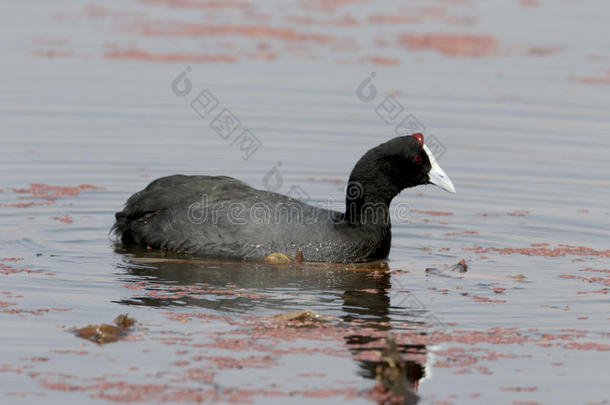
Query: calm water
(522, 129)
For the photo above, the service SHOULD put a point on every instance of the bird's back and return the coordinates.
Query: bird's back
(224, 217)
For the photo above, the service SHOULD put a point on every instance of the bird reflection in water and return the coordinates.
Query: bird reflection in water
(355, 294)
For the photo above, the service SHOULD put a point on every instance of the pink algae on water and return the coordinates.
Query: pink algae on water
(519, 213)
(182, 29)
(560, 251)
(455, 45)
(328, 5)
(138, 54)
(7, 269)
(434, 213)
(66, 219)
(393, 19)
(529, 3)
(51, 193)
(605, 80)
(201, 4)
(53, 53)
(519, 389)
(381, 60)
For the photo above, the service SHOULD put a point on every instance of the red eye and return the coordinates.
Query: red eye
(420, 138)
(417, 158)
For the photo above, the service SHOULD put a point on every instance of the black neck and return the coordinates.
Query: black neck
(369, 193)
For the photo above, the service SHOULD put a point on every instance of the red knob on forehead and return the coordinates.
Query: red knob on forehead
(419, 137)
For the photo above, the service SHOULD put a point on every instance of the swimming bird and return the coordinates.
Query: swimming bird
(224, 218)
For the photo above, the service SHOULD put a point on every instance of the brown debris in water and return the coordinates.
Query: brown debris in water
(299, 256)
(281, 258)
(106, 333)
(124, 321)
(278, 258)
(301, 319)
(393, 387)
(460, 266)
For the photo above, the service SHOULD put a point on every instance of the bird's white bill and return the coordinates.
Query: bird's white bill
(437, 175)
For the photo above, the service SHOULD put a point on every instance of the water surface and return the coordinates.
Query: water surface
(521, 124)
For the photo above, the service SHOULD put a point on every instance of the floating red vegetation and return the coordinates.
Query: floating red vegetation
(434, 213)
(392, 19)
(66, 219)
(137, 54)
(4, 304)
(455, 45)
(161, 291)
(25, 205)
(6, 269)
(346, 20)
(53, 53)
(519, 389)
(601, 291)
(587, 346)
(517, 213)
(178, 29)
(70, 351)
(188, 317)
(381, 60)
(312, 375)
(46, 41)
(592, 79)
(460, 357)
(478, 298)
(461, 233)
(36, 312)
(603, 280)
(328, 4)
(95, 11)
(543, 50)
(529, 3)
(596, 270)
(205, 4)
(228, 362)
(563, 250)
(51, 193)
(520, 213)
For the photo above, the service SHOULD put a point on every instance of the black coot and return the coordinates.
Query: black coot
(222, 217)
